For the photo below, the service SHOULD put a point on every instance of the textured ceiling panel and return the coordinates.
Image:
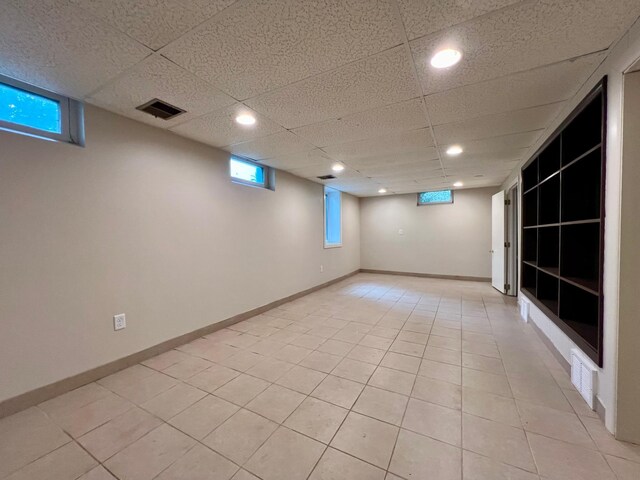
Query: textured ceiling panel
(418, 141)
(153, 23)
(524, 36)
(260, 45)
(421, 169)
(220, 128)
(157, 77)
(539, 86)
(283, 143)
(482, 159)
(298, 160)
(422, 17)
(494, 144)
(395, 159)
(373, 82)
(372, 123)
(52, 45)
(525, 120)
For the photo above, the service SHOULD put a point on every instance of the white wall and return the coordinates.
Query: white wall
(625, 53)
(147, 223)
(449, 239)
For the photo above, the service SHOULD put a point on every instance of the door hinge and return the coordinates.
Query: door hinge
(507, 202)
(507, 287)
(507, 244)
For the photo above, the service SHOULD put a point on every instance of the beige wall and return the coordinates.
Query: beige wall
(450, 239)
(622, 55)
(629, 330)
(147, 223)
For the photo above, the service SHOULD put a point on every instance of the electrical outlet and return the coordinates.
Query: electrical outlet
(119, 321)
(321, 268)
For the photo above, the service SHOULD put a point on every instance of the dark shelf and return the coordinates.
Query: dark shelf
(562, 224)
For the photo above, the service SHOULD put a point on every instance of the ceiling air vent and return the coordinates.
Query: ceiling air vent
(160, 109)
(326, 177)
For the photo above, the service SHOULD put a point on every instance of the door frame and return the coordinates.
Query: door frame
(513, 240)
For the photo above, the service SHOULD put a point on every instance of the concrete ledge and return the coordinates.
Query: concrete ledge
(39, 395)
(427, 275)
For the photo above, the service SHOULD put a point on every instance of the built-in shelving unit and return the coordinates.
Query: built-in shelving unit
(563, 224)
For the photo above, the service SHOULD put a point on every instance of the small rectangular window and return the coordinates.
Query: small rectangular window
(32, 111)
(332, 218)
(434, 198)
(250, 173)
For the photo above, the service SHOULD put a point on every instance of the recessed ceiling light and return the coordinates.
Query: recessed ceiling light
(454, 150)
(382, 190)
(458, 184)
(337, 167)
(446, 58)
(245, 119)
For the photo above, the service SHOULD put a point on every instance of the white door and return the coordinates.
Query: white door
(497, 242)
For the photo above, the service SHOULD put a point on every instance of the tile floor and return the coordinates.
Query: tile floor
(377, 377)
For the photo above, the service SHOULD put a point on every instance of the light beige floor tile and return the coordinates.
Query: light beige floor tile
(150, 455)
(541, 393)
(126, 377)
(335, 465)
(487, 382)
(447, 332)
(348, 336)
(66, 463)
(241, 341)
(187, 368)
(200, 463)
(26, 436)
(441, 371)
(367, 439)
(450, 343)
(73, 400)
(286, 454)
(323, 331)
(480, 348)
(443, 355)
(608, 444)
(218, 352)
(435, 391)
(490, 406)
(477, 467)
(86, 418)
(98, 473)
(553, 423)
(382, 405)
(413, 337)
(354, 370)
(485, 364)
(624, 469)
(434, 421)
(276, 403)
(301, 379)
(562, 461)
(399, 361)
(366, 354)
(147, 388)
(240, 436)
(497, 441)
(108, 439)
(173, 401)
(204, 416)
(212, 378)
(244, 475)
(165, 360)
(339, 391)
(384, 332)
(393, 380)
(291, 353)
(416, 456)
(317, 419)
(376, 342)
(578, 404)
(320, 361)
(335, 347)
(266, 347)
(407, 348)
(241, 390)
(270, 369)
(242, 361)
(479, 337)
(308, 341)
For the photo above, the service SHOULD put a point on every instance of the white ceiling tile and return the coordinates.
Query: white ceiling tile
(486, 159)
(260, 45)
(525, 120)
(324, 168)
(396, 159)
(372, 82)
(55, 46)
(219, 128)
(157, 77)
(394, 118)
(298, 160)
(416, 141)
(153, 23)
(428, 168)
(548, 84)
(524, 36)
(493, 144)
(282, 143)
(421, 17)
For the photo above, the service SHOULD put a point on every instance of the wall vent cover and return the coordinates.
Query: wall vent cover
(326, 177)
(583, 376)
(160, 109)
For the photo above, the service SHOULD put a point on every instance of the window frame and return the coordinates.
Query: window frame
(324, 215)
(424, 204)
(71, 116)
(267, 174)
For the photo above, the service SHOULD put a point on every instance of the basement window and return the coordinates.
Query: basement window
(29, 110)
(435, 198)
(247, 172)
(332, 218)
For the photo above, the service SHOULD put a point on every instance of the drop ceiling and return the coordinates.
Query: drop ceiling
(328, 80)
